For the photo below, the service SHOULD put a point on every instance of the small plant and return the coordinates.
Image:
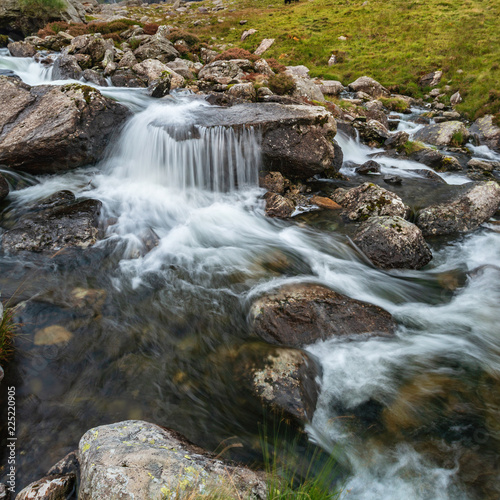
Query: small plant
(275, 65)
(134, 43)
(7, 331)
(150, 28)
(236, 53)
(395, 104)
(282, 84)
(4, 41)
(192, 41)
(410, 147)
(457, 139)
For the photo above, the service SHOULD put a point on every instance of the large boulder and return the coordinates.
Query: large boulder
(452, 133)
(297, 140)
(368, 200)
(66, 67)
(57, 222)
(21, 49)
(393, 243)
(300, 314)
(94, 46)
(484, 131)
(369, 86)
(464, 214)
(48, 129)
(136, 459)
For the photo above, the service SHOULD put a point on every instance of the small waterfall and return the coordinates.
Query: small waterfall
(164, 145)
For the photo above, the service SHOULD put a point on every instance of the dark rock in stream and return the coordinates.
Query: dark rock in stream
(463, 214)
(278, 206)
(136, 459)
(48, 129)
(296, 139)
(285, 380)
(4, 187)
(300, 314)
(55, 223)
(369, 167)
(393, 243)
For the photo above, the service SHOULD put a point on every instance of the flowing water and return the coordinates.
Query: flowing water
(154, 332)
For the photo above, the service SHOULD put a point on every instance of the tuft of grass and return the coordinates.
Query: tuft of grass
(410, 147)
(8, 330)
(282, 84)
(395, 104)
(315, 479)
(4, 41)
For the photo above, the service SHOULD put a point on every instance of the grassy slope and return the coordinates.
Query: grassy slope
(394, 41)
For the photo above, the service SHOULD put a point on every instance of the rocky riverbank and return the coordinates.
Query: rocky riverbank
(51, 129)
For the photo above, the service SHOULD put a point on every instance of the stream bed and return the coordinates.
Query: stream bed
(153, 331)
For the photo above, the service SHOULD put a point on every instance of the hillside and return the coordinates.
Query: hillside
(394, 42)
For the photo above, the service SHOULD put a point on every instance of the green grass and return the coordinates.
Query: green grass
(7, 331)
(394, 41)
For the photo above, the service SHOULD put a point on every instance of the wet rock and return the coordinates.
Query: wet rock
(57, 222)
(369, 86)
(372, 132)
(369, 167)
(300, 314)
(397, 140)
(162, 88)
(21, 49)
(428, 156)
(484, 131)
(285, 380)
(278, 206)
(449, 164)
(480, 165)
(4, 187)
(326, 203)
(57, 487)
(135, 459)
(94, 46)
(52, 335)
(47, 129)
(273, 182)
(296, 139)
(393, 243)
(127, 78)
(453, 133)
(369, 200)
(464, 214)
(244, 91)
(94, 77)
(66, 67)
(393, 179)
(429, 174)
(222, 72)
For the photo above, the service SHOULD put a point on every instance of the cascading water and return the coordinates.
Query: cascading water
(156, 338)
(162, 145)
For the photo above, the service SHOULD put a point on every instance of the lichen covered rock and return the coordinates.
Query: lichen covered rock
(393, 243)
(466, 213)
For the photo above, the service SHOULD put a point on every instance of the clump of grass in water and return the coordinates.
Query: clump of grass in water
(7, 331)
(317, 479)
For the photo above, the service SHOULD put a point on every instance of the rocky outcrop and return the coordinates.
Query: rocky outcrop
(57, 222)
(393, 243)
(369, 86)
(136, 459)
(157, 47)
(285, 380)
(369, 200)
(464, 214)
(296, 139)
(451, 133)
(484, 131)
(300, 314)
(222, 72)
(21, 49)
(15, 18)
(48, 129)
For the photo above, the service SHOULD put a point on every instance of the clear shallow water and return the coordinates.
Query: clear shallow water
(157, 335)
